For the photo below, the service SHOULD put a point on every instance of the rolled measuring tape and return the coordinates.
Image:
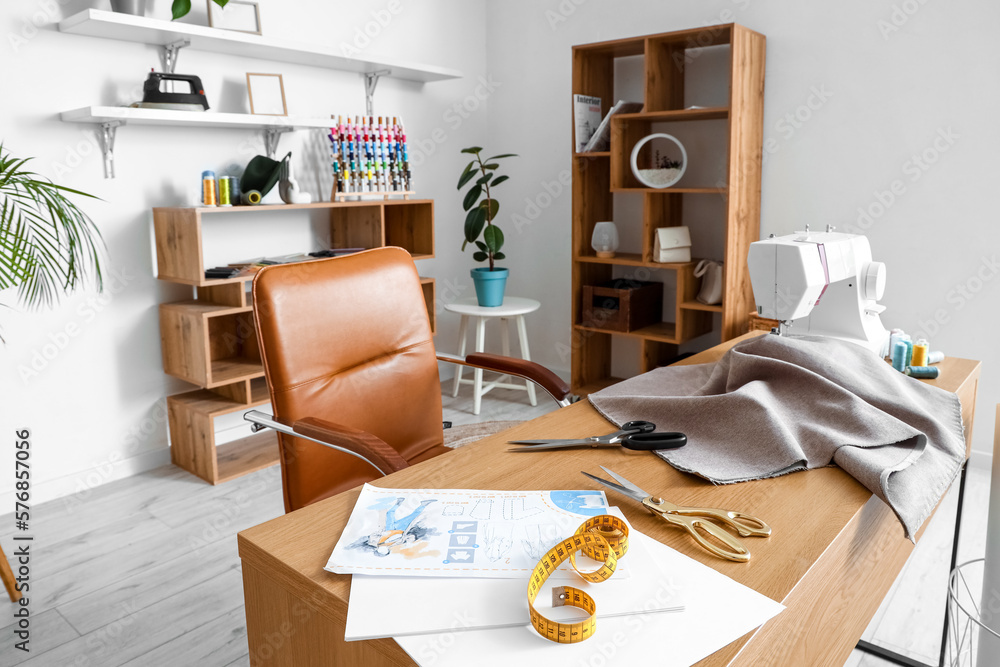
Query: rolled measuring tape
(603, 538)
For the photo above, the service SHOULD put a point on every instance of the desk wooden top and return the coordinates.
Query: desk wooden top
(828, 530)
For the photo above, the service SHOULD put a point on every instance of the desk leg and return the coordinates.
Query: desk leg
(283, 630)
(477, 395)
(522, 334)
(898, 658)
(463, 328)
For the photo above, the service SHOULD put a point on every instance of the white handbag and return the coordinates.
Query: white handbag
(710, 273)
(672, 244)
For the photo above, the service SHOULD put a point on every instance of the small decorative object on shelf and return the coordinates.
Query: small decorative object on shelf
(663, 171)
(605, 239)
(672, 244)
(133, 7)
(235, 15)
(490, 282)
(710, 273)
(291, 191)
(267, 94)
(370, 157)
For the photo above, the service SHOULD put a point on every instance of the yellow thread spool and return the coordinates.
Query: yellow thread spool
(208, 196)
(920, 352)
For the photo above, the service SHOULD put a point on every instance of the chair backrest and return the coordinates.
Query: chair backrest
(347, 340)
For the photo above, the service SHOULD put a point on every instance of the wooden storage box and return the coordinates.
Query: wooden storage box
(758, 323)
(622, 305)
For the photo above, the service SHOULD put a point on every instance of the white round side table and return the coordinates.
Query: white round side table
(513, 307)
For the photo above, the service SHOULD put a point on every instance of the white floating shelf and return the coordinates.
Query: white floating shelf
(128, 28)
(135, 116)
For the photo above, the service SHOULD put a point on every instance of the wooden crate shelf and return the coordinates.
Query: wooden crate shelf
(596, 182)
(210, 341)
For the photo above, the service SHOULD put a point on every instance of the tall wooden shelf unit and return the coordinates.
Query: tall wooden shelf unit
(598, 176)
(210, 340)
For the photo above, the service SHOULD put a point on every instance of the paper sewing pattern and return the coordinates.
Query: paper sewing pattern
(440, 533)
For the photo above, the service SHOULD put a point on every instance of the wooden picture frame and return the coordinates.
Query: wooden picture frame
(268, 94)
(237, 15)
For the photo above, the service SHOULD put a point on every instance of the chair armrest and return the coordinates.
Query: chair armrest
(363, 443)
(529, 370)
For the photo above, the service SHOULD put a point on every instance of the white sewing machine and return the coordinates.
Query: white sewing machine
(820, 284)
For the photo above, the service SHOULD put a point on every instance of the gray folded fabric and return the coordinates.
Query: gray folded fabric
(774, 405)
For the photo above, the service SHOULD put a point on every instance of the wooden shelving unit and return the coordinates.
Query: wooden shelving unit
(210, 340)
(598, 177)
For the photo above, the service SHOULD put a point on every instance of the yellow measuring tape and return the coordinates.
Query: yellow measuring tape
(603, 538)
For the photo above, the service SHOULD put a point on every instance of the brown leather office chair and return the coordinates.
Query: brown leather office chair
(352, 371)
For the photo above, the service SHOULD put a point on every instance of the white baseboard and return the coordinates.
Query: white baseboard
(90, 478)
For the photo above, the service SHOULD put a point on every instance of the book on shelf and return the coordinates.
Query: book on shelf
(586, 117)
(601, 139)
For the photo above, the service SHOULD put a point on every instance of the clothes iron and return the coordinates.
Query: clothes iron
(154, 98)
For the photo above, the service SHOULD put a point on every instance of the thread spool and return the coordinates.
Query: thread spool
(251, 197)
(922, 372)
(920, 350)
(208, 195)
(935, 357)
(899, 356)
(909, 351)
(234, 189)
(224, 199)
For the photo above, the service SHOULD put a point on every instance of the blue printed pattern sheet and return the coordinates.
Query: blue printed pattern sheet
(458, 532)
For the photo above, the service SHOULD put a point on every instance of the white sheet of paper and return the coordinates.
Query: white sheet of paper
(717, 611)
(423, 605)
(459, 532)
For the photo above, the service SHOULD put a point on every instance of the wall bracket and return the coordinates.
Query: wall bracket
(106, 137)
(272, 135)
(170, 53)
(371, 80)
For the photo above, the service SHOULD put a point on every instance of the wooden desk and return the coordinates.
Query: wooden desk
(831, 565)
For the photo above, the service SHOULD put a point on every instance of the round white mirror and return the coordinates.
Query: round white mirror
(660, 166)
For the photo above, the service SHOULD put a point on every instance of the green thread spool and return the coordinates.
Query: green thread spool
(224, 192)
(922, 372)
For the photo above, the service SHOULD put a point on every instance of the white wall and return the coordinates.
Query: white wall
(884, 85)
(95, 399)
(96, 406)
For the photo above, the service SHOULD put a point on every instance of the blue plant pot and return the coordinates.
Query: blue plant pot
(490, 286)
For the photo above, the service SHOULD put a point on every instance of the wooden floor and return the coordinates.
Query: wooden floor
(144, 571)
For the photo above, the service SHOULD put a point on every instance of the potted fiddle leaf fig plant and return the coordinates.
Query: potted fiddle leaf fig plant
(481, 210)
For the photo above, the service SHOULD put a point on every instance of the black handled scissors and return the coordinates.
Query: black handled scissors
(637, 435)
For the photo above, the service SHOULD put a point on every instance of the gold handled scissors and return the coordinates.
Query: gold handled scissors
(700, 522)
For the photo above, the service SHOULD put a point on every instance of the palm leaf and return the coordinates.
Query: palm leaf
(48, 246)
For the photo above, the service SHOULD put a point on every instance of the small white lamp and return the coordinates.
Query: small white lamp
(605, 239)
